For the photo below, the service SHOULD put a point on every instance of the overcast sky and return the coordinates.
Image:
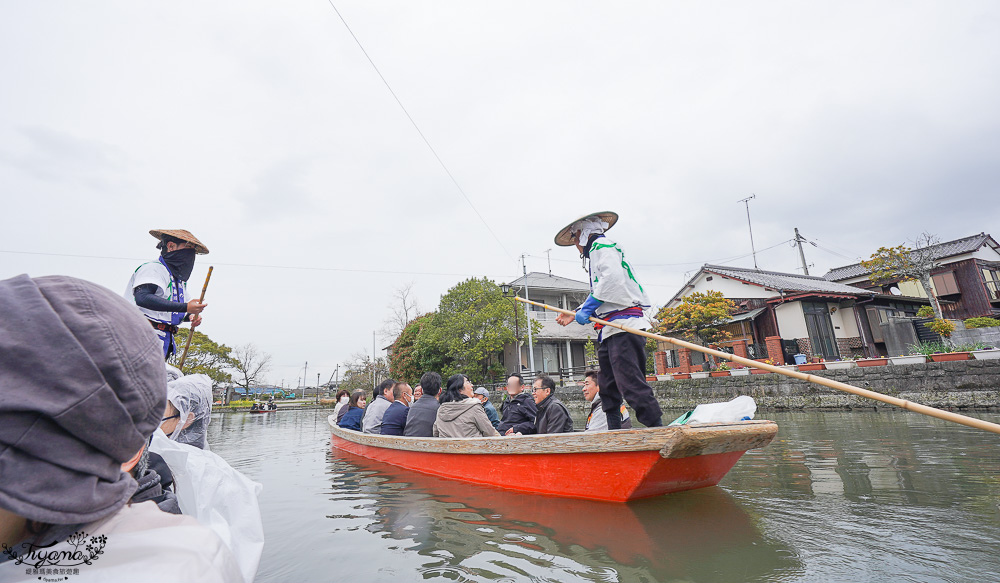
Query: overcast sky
(262, 128)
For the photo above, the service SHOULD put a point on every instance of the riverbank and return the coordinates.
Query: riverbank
(970, 384)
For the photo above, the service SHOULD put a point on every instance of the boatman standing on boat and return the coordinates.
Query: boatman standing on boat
(615, 296)
(159, 287)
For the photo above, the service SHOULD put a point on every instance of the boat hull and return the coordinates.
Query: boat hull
(608, 474)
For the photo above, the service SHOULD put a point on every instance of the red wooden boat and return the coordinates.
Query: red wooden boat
(613, 466)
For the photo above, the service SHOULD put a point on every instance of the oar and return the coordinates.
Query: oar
(901, 403)
(187, 344)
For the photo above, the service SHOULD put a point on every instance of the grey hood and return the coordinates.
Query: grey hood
(82, 387)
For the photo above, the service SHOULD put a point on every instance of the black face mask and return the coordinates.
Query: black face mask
(180, 262)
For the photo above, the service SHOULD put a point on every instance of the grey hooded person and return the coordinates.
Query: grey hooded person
(82, 388)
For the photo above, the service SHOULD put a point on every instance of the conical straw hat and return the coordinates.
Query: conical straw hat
(183, 235)
(565, 237)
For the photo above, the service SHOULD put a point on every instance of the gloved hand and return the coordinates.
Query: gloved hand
(587, 309)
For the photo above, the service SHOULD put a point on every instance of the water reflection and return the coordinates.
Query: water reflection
(478, 533)
(854, 496)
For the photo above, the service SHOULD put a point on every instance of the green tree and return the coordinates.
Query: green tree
(468, 332)
(204, 357)
(901, 263)
(699, 317)
(405, 362)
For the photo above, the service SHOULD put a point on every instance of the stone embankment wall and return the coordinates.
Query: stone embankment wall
(971, 384)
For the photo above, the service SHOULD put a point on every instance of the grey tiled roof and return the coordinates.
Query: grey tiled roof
(940, 251)
(538, 280)
(786, 282)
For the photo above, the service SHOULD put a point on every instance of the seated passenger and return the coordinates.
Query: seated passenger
(484, 397)
(189, 398)
(372, 422)
(342, 399)
(355, 411)
(598, 419)
(394, 420)
(84, 387)
(553, 417)
(461, 414)
(423, 412)
(517, 413)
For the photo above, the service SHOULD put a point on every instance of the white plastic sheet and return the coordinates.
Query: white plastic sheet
(218, 496)
(735, 410)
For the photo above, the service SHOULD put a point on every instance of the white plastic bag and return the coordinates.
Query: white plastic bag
(735, 410)
(218, 496)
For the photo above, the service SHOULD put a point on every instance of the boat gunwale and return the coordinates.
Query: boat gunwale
(672, 441)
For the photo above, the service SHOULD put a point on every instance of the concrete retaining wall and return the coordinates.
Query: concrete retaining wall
(971, 384)
(990, 336)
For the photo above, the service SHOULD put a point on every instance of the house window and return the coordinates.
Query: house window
(945, 283)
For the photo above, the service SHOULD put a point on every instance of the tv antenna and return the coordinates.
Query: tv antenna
(746, 201)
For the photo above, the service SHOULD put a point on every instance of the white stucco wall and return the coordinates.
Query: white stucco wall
(844, 325)
(791, 321)
(730, 288)
(848, 323)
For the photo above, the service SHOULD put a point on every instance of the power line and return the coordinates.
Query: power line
(251, 265)
(416, 127)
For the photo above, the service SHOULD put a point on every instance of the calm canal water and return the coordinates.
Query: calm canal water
(852, 496)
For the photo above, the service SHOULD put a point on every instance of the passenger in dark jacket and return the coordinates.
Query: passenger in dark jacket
(517, 414)
(355, 411)
(394, 420)
(553, 416)
(423, 411)
(491, 412)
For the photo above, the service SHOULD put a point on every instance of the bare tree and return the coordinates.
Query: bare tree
(250, 365)
(904, 263)
(403, 310)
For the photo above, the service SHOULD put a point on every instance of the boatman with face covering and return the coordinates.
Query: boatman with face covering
(159, 287)
(615, 296)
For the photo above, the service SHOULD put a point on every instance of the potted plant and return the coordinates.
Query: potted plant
(949, 356)
(664, 377)
(722, 370)
(700, 374)
(872, 361)
(846, 363)
(760, 370)
(819, 365)
(678, 376)
(908, 359)
(986, 353)
(740, 372)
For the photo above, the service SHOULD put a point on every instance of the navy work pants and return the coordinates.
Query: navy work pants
(623, 374)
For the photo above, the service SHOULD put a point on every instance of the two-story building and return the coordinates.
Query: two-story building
(779, 315)
(967, 280)
(557, 349)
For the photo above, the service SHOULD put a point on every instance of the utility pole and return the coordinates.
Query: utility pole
(548, 253)
(317, 387)
(746, 201)
(374, 384)
(527, 315)
(802, 254)
(305, 379)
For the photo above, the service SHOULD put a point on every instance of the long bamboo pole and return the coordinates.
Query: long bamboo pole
(901, 403)
(187, 344)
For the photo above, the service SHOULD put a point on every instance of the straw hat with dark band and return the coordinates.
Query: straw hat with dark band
(565, 237)
(183, 235)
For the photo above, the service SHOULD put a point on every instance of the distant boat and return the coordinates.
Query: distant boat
(259, 407)
(615, 466)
